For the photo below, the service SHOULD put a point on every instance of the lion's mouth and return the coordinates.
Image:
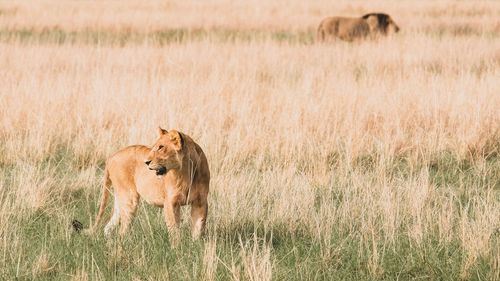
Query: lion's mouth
(160, 171)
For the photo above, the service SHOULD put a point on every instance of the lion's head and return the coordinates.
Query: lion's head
(382, 23)
(166, 154)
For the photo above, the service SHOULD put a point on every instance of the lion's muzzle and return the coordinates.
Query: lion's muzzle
(160, 170)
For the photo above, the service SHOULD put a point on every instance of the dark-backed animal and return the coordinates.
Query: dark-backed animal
(371, 25)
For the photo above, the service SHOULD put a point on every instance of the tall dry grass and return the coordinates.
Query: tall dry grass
(368, 150)
(240, 15)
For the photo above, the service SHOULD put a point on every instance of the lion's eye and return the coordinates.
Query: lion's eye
(160, 147)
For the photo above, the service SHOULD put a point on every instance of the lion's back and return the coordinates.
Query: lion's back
(127, 159)
(343, 27)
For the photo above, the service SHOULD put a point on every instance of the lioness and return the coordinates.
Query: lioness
(349, 29)
(171, 173)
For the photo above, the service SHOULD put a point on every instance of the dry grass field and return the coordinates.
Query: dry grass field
(374, 160)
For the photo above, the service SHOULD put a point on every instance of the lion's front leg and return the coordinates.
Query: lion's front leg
(199, 211)
(172, 219)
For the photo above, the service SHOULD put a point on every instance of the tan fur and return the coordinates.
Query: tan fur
(349, 29)
(172, 173)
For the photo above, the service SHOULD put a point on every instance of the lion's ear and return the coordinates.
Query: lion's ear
(162, 131)
(176, 139)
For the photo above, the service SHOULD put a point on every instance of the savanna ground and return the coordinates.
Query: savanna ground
(362, 161)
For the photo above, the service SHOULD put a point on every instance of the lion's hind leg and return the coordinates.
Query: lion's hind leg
(127, 211)
(115, 219)
(125, 207)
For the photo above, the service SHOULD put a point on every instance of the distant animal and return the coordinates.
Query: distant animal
(349, 29)
(172, 173)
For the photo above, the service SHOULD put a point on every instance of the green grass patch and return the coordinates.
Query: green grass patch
(159, 37)
(42, 245)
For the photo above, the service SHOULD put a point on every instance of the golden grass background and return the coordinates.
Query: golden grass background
(341, 140)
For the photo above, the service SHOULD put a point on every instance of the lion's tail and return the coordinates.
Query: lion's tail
(106, 185)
